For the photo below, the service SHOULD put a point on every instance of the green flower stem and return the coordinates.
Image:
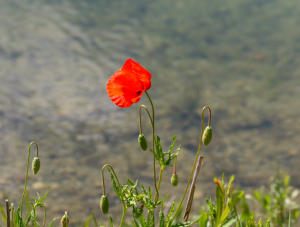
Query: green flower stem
(194, 165)
(27, 166)
(104, 192)
(45, 216)
(159, 180)
(140, 116)
(123, 214)
(114, 173)
(153, 144)
(175, 162)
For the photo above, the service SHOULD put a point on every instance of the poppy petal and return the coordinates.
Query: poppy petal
(140, 72)
(127, 85)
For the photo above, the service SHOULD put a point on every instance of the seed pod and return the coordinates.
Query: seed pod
(207, 135)
(36, 163)
(65, 220)
(174, 179)
(104, 204)
(143, 142)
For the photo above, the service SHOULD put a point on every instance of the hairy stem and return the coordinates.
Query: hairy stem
(27, 167)
(140, 116)
(123, 215)
(153, 145)
(177, 212)
(114, 173)
(160, 178)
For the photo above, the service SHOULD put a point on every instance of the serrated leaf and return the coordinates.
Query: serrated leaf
(172, 209)
(129, 182)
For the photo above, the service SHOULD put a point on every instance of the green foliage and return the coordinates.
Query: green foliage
(229, 207)
(134, 196)
(223, 211)
(31, 218)
(278, 203)
(165, 158)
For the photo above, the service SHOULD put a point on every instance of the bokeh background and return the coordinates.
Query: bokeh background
(242, 57)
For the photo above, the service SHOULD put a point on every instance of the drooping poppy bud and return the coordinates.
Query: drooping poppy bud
(174, 179)
(65, 220)
(207, 135)
(36, 163)
(104, 204)
(143, 142)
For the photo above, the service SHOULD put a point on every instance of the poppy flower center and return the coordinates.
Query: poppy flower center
(138, 92)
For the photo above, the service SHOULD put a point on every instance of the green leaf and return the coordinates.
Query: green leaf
(111, 221)
(136, 223)
(230, 222)
(220, 199)
(52, 222)
(161, 219)
(203, 219)
(229, 185)
(224, 215)
(172, 209)
(143, 221)
(129, 182)
(3, 213)
(257, 195)
(87, 222)
(44, 196)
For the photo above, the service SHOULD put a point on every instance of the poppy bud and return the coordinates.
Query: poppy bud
(143, 142)
(174, 179)
(207, 135)
(65, 220)
(104, 204)
(36, 163)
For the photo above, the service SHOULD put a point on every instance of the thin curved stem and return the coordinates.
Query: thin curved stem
(140, 116)
(209, 114)
(153, 146)
(27, 167)
(114, 173)
(104, 192)
(123, 214)
(194, 165)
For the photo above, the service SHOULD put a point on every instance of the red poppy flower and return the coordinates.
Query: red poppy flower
(127, 85)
